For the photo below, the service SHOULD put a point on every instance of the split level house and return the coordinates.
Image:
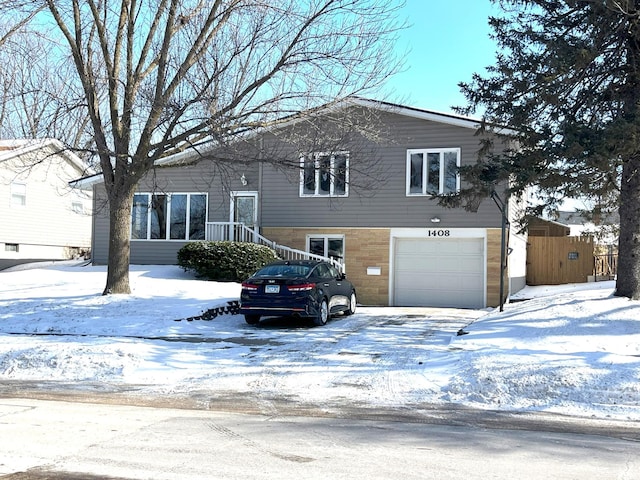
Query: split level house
(41, 217)
(355, 183)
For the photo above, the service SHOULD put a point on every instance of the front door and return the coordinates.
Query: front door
(244, 208)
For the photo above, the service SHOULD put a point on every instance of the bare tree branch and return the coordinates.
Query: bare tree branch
(160, 75)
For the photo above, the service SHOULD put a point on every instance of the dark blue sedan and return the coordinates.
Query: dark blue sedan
(300, 288)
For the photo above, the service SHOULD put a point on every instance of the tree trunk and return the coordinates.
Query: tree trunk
(119, 244)
(628, 283)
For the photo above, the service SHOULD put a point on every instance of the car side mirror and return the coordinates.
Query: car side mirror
(342, 276)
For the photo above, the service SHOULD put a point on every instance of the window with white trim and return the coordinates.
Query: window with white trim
(18, 194)
(324, 175)
(77, 207)
(172, 216)
(331, 246)
(11, 247)
(433, 171)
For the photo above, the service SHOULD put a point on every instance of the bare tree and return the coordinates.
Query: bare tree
(160, 75)
(36, 97)
(23, 18)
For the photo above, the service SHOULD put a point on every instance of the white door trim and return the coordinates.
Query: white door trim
(243, 193)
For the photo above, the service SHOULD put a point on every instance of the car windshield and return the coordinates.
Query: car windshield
(283, 271)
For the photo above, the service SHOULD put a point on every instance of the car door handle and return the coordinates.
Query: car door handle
(326, 284)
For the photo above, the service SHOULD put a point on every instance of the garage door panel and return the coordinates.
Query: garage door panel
(470, 248)
(439, 298)
(438, 266)
(425, 263)
(439, 272)
(410, 279)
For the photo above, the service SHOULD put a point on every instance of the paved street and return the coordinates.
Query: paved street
(68, 440)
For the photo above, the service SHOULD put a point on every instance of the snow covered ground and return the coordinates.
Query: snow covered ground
(572, 349)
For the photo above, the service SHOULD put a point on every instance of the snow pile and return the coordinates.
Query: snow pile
(572, 349)
(575, 352)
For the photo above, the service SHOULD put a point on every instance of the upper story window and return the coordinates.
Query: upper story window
(433, 171)
(18, 194)
(77, 207)
(324, 175)
(175, 216)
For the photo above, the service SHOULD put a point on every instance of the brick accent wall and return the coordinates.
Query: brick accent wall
(494, 236)
(369, 247)
(364, 247)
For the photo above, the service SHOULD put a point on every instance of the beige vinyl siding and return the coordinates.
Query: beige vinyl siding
(48, 218)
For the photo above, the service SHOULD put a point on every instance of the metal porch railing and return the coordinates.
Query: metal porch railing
(239, 232)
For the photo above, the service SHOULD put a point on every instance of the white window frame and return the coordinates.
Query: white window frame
(77, 207)
(18, 194)
(12, 247)
(326, 237)
(425, 180)
(167, 228)
(316, 159)
(243, 193)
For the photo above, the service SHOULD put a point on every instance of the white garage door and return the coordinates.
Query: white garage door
(439, 272)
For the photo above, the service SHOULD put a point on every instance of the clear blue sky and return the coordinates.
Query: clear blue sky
(447, 40)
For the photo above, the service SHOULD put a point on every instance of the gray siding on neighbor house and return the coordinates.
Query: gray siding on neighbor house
(387, 205)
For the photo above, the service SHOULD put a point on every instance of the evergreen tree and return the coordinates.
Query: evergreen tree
(566, 83)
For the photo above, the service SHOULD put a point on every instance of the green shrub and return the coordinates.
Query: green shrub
(224, 261)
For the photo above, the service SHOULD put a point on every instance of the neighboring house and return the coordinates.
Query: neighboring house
(540, 227)
(41, 217)
(603, 228)
(361, 193)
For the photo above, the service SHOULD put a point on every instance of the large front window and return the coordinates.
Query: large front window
(324, 175)
(176, 216)
(433, 171)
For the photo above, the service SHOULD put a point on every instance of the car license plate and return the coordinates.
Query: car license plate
(272, 289)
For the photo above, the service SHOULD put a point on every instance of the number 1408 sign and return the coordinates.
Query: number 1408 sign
(438, 233)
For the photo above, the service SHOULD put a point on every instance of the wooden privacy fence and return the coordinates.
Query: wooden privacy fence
(606, 266)
(559, 260)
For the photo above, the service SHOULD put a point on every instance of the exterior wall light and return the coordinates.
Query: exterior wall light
(435, 220)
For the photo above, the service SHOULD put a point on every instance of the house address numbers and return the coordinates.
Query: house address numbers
(438, 233)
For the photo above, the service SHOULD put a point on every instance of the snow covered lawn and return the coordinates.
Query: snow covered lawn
(573, 349)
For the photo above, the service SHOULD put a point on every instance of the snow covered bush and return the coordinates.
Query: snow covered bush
(224, 261)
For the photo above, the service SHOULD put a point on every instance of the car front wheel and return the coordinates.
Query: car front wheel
(252, 319)
(323, 314)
